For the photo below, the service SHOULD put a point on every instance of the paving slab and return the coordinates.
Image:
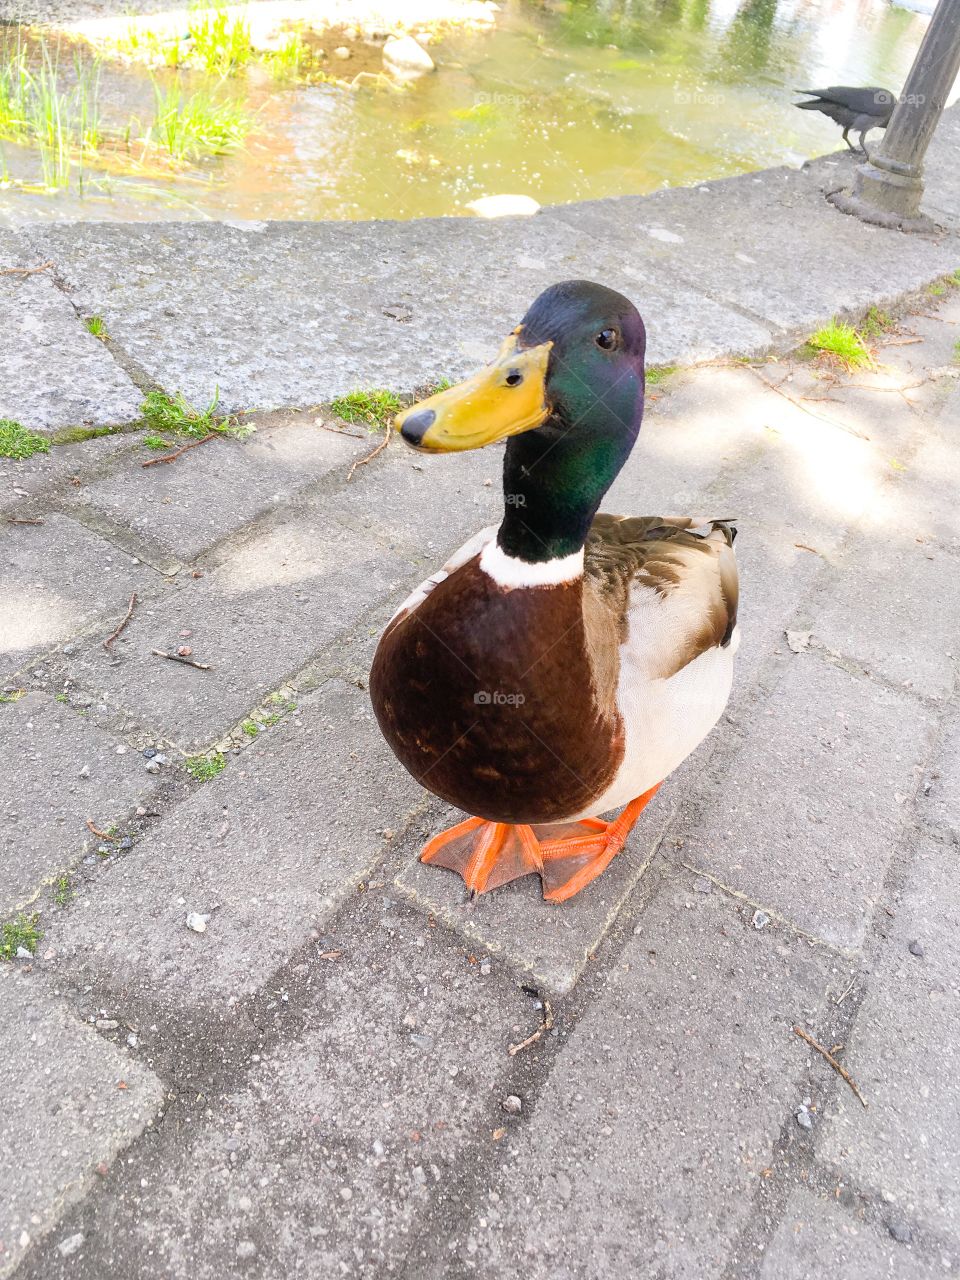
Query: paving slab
(904, 1052)
(26, 483)
(62, 1111)
(268, 849)
(277, 597)
(647, 1141)
(59, 581)
(805, 815)
(182, 509)
(334, 1147)
(67, 770)
(551, 944)
(727, 238)
(53, 373)
(931, 482)
(279, 331)
(819, 1238)
(876, 608)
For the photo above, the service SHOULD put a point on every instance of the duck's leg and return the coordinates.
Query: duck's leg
(486, 854)
(571, 862)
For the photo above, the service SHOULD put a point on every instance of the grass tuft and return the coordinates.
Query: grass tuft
(205, 768)
(937, 289)
(62, 889)
(176, 414)
(17, 442)
(155, 442)
(190, 125)
(62, 123)
(374, 409)
(842, 343)
(289, 60)
(876, 323)
(220, 43)
(19, 932)
(97, 326)
(659, 373)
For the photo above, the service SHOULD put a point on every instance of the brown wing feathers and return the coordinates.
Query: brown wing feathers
(693, 574)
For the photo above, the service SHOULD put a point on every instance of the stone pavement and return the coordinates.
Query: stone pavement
(318, 1083)
(283, 314)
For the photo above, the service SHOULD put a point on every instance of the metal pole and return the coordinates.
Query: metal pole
(888, 186)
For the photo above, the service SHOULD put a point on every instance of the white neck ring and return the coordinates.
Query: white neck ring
(510, 572)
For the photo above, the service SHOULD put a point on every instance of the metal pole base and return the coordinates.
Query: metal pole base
(853, 203)
(886, 193)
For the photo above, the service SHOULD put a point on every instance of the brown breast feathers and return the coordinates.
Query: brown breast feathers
(490, 698)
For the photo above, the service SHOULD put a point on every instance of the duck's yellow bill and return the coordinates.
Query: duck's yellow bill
(505, 398)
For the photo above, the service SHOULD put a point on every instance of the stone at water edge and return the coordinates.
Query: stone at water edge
(505, 206)
(405, 58)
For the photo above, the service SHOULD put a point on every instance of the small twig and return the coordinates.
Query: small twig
(126, 618)
(352, 435)
(772, 386)
(362, 462)
(187, 662)
(26, 271)
(101, 835)
(840, 999)
(866, 386)
(172, 457)
(803, 547)
(544, 1026)
(901, 342)
(22, 520)
(841, 1071)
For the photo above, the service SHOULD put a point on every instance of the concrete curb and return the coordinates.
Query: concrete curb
(285, 314)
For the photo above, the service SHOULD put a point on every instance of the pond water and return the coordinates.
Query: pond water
(562, 100)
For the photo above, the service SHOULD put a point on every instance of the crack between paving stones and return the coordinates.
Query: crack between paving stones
(126, 363)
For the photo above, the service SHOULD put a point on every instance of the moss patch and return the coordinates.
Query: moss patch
(17, 442)
(205, 768)
(19, 932)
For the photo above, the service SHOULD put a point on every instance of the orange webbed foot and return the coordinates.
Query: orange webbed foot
(490, 854)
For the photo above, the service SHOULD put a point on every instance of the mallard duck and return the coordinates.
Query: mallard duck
(560, 665)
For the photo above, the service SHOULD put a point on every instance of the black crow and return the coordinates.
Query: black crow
(860, 109)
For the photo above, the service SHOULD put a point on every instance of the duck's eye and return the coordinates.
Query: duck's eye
(607, 339)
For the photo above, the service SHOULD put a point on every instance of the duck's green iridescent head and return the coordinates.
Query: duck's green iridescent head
(566, 390)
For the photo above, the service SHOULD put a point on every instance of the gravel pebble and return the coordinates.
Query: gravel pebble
(916, 949)
(760, 919)
(512, 1104)
(900, 1232)
(803, 1117)
(70, 1245)
(197, 921)
(246, 1249)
